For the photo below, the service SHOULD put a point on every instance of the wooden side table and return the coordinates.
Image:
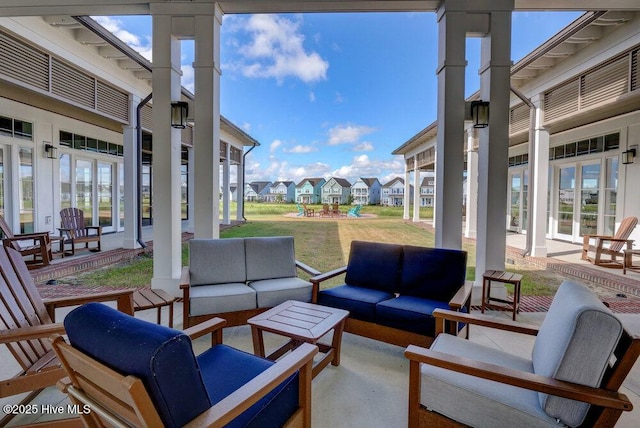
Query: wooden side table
(505, 278)
(627, 261)
(148, 298)
(301, 322)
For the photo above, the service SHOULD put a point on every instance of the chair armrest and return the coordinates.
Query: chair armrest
(462, 298)
(124, 299)
(25, 236)
(244, 397)
(316, 280)
(609, 238)
(70, 232)
(98, 229)
(32, 332)
(442, 315)
(306, 268)
(213, 326)
(522, 379)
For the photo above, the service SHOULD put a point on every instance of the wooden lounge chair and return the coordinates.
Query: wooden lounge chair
(74, 231)
(27, 322)
(308, 212)
(335, 211)
(134, 373)
(37, 245)
(581, 356)
(615, 245)
(326, 211)
(355, 211)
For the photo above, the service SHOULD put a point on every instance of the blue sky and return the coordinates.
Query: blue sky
(333, 94)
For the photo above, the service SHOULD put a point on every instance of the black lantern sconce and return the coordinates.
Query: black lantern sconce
(51, 151)
(179, 112)
(480, 113)
(629, 155)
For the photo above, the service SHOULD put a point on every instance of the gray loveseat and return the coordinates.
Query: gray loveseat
(237, 278)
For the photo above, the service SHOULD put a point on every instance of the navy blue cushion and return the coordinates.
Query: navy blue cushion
(432, 273)
(225, 369)
(374, 265)
(409, 313)
(161, 357)
(360, 302)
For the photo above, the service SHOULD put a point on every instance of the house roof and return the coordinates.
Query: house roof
(394, 181)
(259, 186)
(341, 181)
(312, 181)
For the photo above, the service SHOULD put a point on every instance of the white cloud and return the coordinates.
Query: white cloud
(142, 45)
(312, 96)
(246, 127)
(275, 49)
(365, 146)
(301, 149)
(347, 134)
(187, 79)
(274, 145)
(363, 166)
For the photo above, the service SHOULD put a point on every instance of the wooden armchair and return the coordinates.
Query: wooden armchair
(581, 356)
(36, 244)
(308, 212)
(134, 373)
(74, 231)
(27, 322)
(615, 248)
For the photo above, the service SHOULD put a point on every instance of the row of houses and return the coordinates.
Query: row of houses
(365, 191)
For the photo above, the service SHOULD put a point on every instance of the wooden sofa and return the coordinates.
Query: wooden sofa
(391, 290)
(237, 278)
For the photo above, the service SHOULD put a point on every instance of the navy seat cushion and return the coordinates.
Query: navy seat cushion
(432, 273)
(359, 301)
(409, 313)
(374, 265)
(225, 369)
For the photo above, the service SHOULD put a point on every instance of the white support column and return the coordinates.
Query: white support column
(240, 189)
(494, 142)
(450, 140)
(540, 184)
(407, 192)
(130, 185)
(226, 188)
(166, 158)
(207, 125)
(471, 217)
(191, 192)
(416, 190)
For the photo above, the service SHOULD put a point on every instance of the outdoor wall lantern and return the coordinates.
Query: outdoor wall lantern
(628, 156)
(480, 113)
(51, 151)
(179, 112)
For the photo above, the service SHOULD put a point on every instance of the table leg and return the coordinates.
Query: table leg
(258, 341)
(336, 343)
(171, 315)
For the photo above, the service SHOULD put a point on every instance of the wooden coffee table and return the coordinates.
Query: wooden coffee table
(301, 322)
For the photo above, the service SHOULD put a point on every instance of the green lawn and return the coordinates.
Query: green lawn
(322, 243)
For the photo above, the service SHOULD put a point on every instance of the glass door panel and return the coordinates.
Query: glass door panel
(105, 195)
(566, 201)
(589, 199)
(84, 189)
(514, 222)
(610, 195)
(146, 195)
(25, 190)
(65, 181)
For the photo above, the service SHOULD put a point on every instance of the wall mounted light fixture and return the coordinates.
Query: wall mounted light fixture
(179, 112)
(51, 151)
(480, 113)
(629, 155)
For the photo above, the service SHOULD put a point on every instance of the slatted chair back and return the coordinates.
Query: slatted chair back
(5, 229)
(73, 219)
(114, 399)
(624, 231)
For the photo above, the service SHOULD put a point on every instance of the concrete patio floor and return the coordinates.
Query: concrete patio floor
(369, 388)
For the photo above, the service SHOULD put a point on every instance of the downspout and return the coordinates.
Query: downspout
(244, 164)
(139, 167)
(532, 168)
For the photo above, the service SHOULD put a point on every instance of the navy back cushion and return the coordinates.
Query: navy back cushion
(161, 357)
(433, 273)
(374, 265)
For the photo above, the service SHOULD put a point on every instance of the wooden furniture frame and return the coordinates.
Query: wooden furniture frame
(504, 277)
(628, 261)
(74, 231)
(615, 248)
(148, 298)
(301, 322)
(394, 336)
(122, 399)
(36, 244)
(26, 323)
(308, 212)
(607, 403)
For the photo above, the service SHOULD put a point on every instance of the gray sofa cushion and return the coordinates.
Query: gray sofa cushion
(272, 292)
(270, 257)
(479, 402)
(575, 342)
(220, 298)
(216, 261)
